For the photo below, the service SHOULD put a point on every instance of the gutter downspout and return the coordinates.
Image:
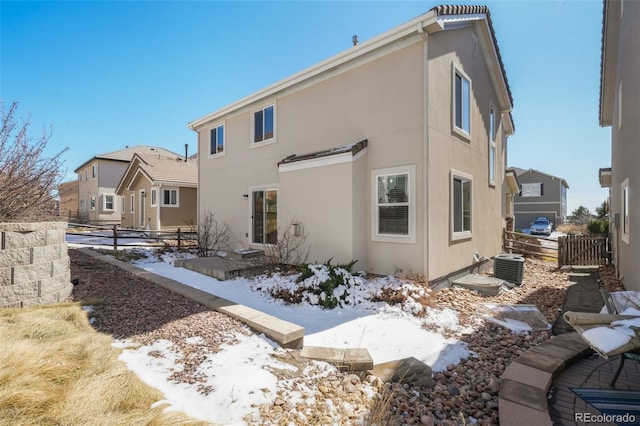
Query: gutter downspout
(425, 152)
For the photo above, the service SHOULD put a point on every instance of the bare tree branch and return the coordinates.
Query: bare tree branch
(28, 179)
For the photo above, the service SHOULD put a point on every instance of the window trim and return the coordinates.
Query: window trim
(154, 197)
(464, 234)
(177, 191)
(224, 142)
(113, 202)
(133, 203)
(93, 171)
(410, 170)
(122, 199)
(264, 188)
(272, 139)
(92, 202)
(493, 146)
(624, 211)
(460, 131)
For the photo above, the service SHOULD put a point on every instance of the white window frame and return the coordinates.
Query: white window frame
(122, 205)
(154, 197)
(531, 190)
(409, 170)
(465, 233)
(217, 153)
(461, 131)
(104, 202)
(624, 211)
(263, 188)
(493, 146)
(271, 140)
(93, 203)
(133, 203)
(170, 204)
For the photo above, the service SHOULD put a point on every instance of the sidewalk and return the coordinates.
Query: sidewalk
(534, 389)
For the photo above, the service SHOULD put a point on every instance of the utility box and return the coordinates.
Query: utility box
(509, 267)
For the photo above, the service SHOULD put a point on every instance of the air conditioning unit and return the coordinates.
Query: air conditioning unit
(509, 267)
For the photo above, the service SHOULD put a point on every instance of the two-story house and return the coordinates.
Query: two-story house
(391, 153)
(97, 181)
(540, 195)
(620, 110)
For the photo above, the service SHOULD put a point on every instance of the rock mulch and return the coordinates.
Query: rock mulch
(462, 394)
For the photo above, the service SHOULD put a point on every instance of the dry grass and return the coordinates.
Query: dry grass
(56, 370)
(572, 228)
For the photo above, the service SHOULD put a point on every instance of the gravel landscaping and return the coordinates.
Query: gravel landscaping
(133, 308)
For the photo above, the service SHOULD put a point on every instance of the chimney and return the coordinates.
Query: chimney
(186, 151)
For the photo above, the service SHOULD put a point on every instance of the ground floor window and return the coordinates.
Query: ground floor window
(624, 220)
(109, 202)
(264, 216)
(170, 197)
(461, 205)
(393, 204)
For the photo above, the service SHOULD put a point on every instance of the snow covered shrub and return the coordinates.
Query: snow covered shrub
(330, 283)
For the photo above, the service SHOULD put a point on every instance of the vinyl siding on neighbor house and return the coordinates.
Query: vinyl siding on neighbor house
(552, 202)
(398, 98)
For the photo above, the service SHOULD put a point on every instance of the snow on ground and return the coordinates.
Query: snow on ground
(240, 375)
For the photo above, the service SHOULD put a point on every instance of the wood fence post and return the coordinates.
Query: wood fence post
(179, 238)
(115, 237)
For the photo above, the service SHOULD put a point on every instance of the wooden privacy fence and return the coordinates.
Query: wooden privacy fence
(519, 243)
(583, 250)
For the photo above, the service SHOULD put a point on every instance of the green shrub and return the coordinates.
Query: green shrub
(331, 283)
(598, 226)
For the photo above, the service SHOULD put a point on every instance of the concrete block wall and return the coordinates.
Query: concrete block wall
(34, 264)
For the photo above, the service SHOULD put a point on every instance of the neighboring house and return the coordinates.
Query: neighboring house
(68, 196)
(97, 181)
(620, 110)
(159, 192)
(541, 194)
(391, 153)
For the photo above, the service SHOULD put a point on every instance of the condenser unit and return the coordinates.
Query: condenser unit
(509, 267)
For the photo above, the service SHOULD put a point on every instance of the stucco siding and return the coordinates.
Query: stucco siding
(449, 153)
(625, 128)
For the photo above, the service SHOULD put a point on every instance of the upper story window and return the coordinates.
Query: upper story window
(393, 212)
(216, 140)
(263, 124)
(493, 146)
(86, 175)
(93, 171)
(461, 103)
(532, 190)
(79, 177)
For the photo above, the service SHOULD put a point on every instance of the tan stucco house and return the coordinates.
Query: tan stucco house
(159, 192)
(391, 153)
(68, 196)
(620, 110)
(97, 181)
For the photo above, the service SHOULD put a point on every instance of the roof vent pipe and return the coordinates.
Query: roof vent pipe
(354, 39)
(186, 151)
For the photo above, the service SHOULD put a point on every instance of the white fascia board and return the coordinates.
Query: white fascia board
(414, 26)
(345, 157)
(175, 183)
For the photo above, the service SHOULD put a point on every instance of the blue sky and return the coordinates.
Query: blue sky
(107, 74)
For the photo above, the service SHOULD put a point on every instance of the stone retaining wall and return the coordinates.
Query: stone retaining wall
(34, 264)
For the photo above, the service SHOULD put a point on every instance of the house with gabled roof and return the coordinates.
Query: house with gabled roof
(97, 181)
(159, 192)
(620, 110)
(540, 195)
(391, 153)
